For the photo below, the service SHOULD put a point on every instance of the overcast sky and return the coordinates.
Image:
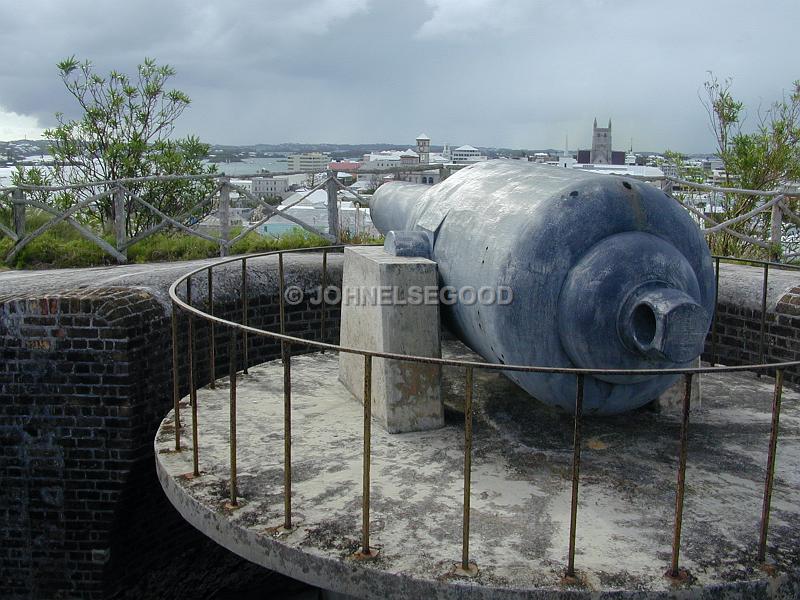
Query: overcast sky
(505, 73)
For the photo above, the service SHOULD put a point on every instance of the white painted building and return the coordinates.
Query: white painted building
(269, 186)
(313, 210)
(308, 161)
(467, 154)
(566, 160)
(386, 159)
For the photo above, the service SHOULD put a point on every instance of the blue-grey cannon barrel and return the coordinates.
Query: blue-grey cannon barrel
(605, 272)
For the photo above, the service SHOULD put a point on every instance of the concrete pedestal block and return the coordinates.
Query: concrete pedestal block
(671, 399)
(390, 304)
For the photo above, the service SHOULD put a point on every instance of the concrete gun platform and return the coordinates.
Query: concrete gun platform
(520, 491)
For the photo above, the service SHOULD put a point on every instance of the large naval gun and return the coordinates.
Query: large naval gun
(605, 273)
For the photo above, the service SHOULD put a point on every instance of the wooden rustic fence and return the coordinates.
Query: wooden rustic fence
(775, 207)
(774, 210)
(120, 191)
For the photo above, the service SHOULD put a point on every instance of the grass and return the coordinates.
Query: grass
(169, 247)
(60, 247)
(64, 247)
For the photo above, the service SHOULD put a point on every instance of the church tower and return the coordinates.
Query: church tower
(424, 149)
(601, 144)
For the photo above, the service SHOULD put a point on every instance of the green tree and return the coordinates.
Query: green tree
(686, 172)
(124, 131)
(766, 158)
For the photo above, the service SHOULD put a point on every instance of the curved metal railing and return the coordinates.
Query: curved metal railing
(288, 341)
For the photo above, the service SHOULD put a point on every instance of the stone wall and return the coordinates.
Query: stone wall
(85, 380)
(738, 328)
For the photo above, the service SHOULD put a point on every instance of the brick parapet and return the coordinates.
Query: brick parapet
(85, 379)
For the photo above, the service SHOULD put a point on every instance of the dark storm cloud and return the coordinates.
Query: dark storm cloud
(519, 73)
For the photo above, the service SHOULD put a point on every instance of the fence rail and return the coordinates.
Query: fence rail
(125, 199)
(773, 213)
(464, 566)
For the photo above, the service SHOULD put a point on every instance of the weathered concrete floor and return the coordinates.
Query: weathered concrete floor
(520, 491)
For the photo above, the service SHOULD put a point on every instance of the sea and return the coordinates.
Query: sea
(249, 166)
(5, 176)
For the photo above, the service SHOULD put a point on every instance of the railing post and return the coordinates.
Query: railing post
(232, 402)
(192, 386)
(576, 470)
(18, 209)
(245, 308)
(224, 215)
(212, 338)
(366, 551)
(466, 568)
(333, 207)
(323, 302)
(775, 231)
(176, 399)
(674, 571)
(120, 232)
(286, 354)
(770, 478)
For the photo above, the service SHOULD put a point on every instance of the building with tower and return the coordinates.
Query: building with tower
(601, 145)
(424, 149)
(601, 152)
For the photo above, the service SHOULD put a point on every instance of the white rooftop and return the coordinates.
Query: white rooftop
(635, 170)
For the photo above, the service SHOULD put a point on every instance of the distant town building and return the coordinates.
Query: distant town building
(399, 159)
(386, 159)
(423, 177)
(566, 160)
(344, 166)
(312, 209)
(670, 168)
(539, 157)
(601, 145)
(409, 157)
(424, 149)
(308, 161)
(467, 154)
(269, 186)
(601, 152)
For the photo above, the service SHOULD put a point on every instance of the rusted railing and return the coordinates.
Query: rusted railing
(464, 566)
